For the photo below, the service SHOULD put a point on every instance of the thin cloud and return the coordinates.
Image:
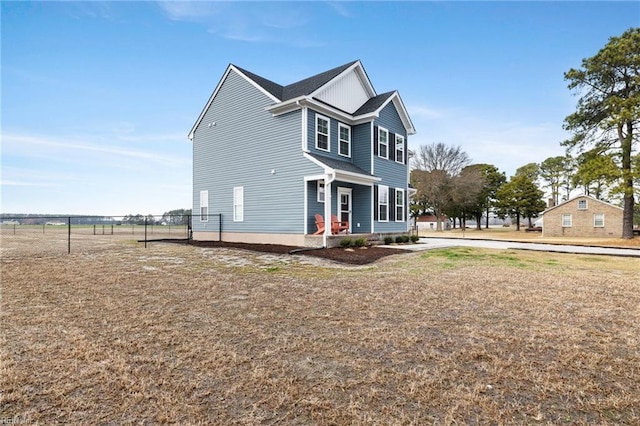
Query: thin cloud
(257, 22)
(420, 111)
(27, 145)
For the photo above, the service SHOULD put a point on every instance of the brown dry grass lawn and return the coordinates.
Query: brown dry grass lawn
(182, 334)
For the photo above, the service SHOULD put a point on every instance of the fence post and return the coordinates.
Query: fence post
(69, 235)
(219, 226)
(145, 232)
(94, 229)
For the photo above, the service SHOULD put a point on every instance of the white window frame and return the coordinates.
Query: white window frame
(400, 206)
(582, 204)
(382, 130)
(320, 191)
(340, 140)
(238, 203)
(399, 142)
(595, 223)
(204, 205)
(567, 223)
(383, 202)
(328, 134)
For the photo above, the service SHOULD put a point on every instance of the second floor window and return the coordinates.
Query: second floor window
(322, 133)
(344, 143)
(399, 149)
(383, 143)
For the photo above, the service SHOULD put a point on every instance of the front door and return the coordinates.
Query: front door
(344, 205)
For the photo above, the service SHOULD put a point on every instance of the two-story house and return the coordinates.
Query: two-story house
(269, 158)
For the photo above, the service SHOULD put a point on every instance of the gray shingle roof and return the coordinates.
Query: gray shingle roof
(373, 103)
(300, 88)
(344, 166)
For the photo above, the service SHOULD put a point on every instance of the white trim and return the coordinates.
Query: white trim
(344, 190)
(373, 168)
(328, 120)
(342, 175)
(318, 192)
(204, 203)
(341, 126)
(395, 149)
(360, 72)
(215, 92)
(594, 220)
(305, 129)
(238, 201)
(380, 130)
(305, 207)
(404, 202)
(380, 187)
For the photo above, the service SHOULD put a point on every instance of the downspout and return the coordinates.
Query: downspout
(330, 177)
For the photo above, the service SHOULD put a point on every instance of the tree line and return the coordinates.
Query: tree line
(601, 159)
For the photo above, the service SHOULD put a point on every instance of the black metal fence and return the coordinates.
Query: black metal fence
(38, 235)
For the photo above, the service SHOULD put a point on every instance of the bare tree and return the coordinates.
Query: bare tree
(436, 170)
(438, 156)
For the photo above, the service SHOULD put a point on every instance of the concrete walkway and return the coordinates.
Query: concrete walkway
(433, 243)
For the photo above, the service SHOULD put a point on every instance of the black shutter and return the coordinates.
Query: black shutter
(375, 202)
(406, 205)
(406, 152)
(375, 140)
(392, 204)
(392, 146)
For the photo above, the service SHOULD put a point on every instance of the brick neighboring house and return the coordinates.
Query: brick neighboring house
(583, 216)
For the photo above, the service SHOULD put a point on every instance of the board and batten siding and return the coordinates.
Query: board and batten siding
(393, 174)
(248, 147)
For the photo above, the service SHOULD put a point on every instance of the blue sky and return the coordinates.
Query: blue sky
(98, 97)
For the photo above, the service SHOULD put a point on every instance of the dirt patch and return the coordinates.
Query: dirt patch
(352, 256)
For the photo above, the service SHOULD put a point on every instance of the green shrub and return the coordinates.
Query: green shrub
(388, 240)
(360, 242)
(405, 238)
(414, 238)
(345, 242)
(399, 239)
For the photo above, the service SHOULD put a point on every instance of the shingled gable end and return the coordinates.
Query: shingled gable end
(271, 159)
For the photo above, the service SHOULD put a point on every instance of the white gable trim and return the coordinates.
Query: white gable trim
(362, 75)
(230, 68)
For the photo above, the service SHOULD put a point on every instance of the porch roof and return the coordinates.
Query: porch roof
(344, 170)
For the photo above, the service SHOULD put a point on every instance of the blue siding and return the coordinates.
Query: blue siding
(361, 146)
(242, 149)
(394, 175)
(360, 205)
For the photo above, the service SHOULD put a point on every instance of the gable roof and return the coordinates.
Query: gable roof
(589, 197)
(285, 97)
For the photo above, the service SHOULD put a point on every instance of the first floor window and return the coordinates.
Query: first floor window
(383, 203)
(322, 133)
(566, 221)
(399, 205)
(383, 143)
(204, 206)
(321, 191)
(344, 140)
(399, 149)
(598, 220)
(238, 204)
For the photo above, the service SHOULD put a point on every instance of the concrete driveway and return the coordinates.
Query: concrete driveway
(432, 243)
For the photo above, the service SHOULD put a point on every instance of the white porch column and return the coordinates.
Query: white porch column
(327, 209)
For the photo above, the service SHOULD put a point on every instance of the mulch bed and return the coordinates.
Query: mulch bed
(355, 256)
